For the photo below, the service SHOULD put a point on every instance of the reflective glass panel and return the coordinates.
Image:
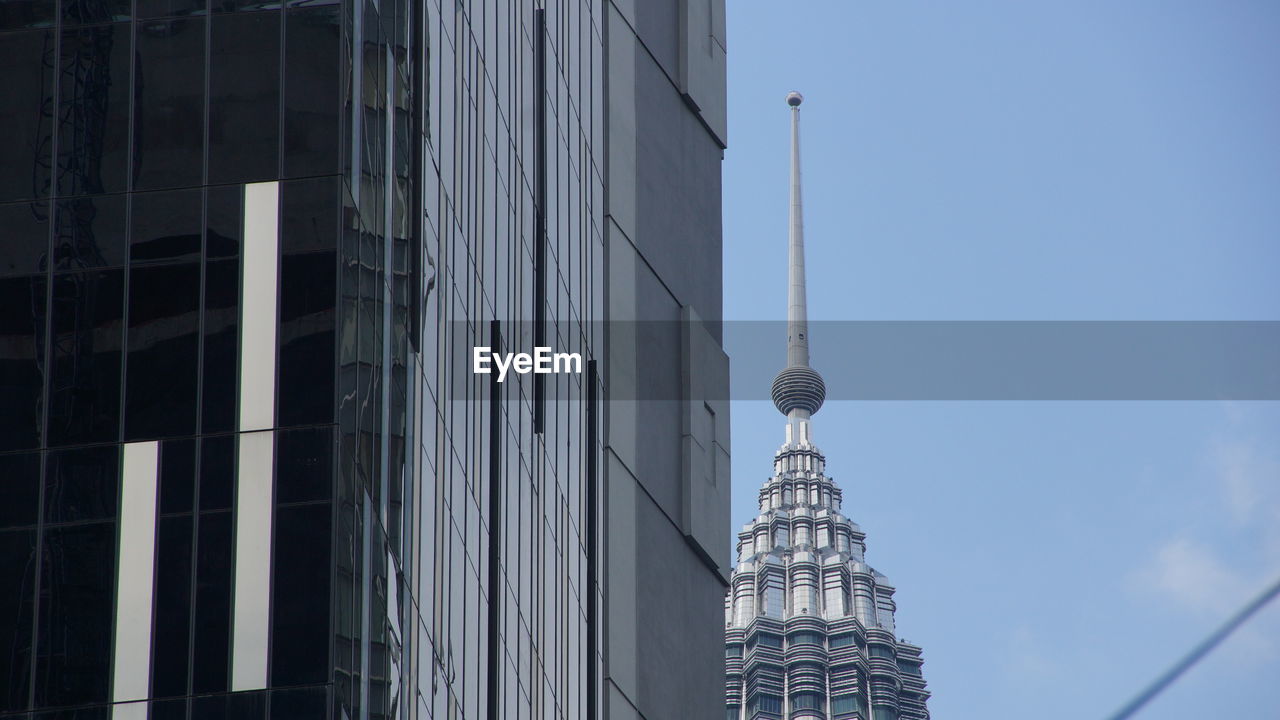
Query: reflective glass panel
(21, 366)
(244, 97)
(300, 608)
(77, 579)
(87, 332)
(25, 247)
(26, 105)
(165, 226)
(160, 387)
(168, 126)
(213, 604)
(89, 232)
(93, 113)
(172, 606)
(81, 484)
(17, 576)
(311, 82)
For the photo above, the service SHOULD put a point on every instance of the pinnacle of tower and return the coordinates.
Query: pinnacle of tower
(798, 391)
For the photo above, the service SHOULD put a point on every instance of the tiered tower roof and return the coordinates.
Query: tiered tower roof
(810, 625)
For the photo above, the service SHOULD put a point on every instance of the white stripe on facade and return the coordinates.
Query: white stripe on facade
(252, 609)
(131, 670)
(258, 299)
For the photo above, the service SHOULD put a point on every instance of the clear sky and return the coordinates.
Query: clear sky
(1030, 161)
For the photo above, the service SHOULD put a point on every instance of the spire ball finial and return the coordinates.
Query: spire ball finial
(794, 98)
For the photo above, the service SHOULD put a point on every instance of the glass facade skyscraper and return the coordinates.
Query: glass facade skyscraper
(810, 625)
(246, 250)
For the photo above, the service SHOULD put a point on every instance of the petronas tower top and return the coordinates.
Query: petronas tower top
(798, 391)
(809, 624)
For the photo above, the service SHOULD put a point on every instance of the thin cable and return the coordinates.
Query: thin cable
(1197, 654)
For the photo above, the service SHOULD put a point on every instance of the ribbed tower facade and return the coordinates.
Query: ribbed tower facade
(809, 624)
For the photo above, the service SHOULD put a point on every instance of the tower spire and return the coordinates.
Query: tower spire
(798, 391)
(797, 305)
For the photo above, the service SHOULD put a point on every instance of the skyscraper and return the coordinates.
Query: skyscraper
(810, 624)
(246, 251)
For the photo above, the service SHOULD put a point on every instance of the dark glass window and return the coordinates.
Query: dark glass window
(309, 702)
(300, 610)
(177, 475)
(213, 604)
(168, 8)
(168, 125)
(769, 640)
(25, 248)
(26, 105)
(81, 484)
(166, 226)
(247, 705)
(733, 651)
(304, 464)
(73, 652)
(172, 606)
(17, 577)
(160, 387)
(169, 709)
(309, 214)
(843, 640)
(308, 295)
(805, 638)
(225, 221)
(244, 97)
(22, 364)
(94, 11)
(26, 13)
(87, 332)
(312, 82)
(217, 472)
(882, 651)
(89, 232)
(221, 343)
(93, 117)
(20, 488)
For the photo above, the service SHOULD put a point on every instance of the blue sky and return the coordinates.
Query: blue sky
(1030, 161)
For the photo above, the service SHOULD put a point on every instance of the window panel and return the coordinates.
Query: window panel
(177, 475)
(161, 380)
(244, 97)
(308, 295)
(213, 604)
(93, 117)
(304, 465)
(168, 8)
(26, 105)
(225, 220)
(20, 488)
(73, 652)
(172, 604)
(294, 703)
(17, 576)
(27, 13)
(89, 232)
(83, 12)
(311, 81)
(165, 226)
(21, 367)
(82, 484)
(25, 248)
(221, 344)
(87, 333)
(217, 472)
(168, 126)
(300, 610)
